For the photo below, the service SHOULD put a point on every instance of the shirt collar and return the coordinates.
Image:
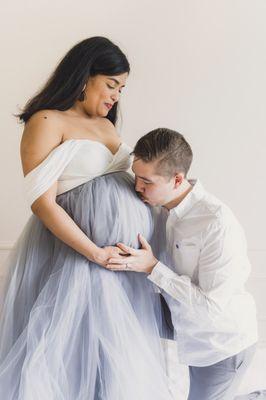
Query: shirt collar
(196, 194)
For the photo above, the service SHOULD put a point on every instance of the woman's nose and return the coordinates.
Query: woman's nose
(115, 96)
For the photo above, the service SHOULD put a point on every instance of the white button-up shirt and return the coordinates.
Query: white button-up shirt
(202, 274)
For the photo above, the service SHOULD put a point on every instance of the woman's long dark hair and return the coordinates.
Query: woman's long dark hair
(93, 56)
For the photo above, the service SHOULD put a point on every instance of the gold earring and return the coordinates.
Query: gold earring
(82, 94)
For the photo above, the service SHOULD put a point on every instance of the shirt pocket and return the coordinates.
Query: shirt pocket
(188, 251)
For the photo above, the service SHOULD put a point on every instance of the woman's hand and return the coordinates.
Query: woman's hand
(105, 253)
(138, 260)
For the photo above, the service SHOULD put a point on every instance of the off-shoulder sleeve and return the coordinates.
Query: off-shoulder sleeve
(41, 178)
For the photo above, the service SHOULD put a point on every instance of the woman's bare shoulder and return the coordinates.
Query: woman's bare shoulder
(42, 133)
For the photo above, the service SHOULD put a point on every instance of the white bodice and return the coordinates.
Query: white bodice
(73, 163)
(93, 159)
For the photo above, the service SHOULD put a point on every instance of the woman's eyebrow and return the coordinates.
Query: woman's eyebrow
(116, 81)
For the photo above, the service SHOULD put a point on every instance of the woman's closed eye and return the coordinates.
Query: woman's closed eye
(112, 87)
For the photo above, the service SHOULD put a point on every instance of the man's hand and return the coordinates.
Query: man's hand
(141, 260)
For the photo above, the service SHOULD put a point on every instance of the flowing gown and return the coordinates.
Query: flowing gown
(69, 328)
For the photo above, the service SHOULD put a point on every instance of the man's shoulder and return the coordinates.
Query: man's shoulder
(202, 202)
(213, 211)
(211, 205)
(218, 215)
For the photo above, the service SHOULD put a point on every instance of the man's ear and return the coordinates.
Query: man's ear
(178, 179)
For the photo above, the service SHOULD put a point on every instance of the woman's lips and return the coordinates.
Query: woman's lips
(108, 105)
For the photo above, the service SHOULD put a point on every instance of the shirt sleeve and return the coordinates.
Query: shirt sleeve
(223, 268)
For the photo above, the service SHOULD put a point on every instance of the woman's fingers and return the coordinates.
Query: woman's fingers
(116, 251)
(123, 247)
(126, 249)
(117, 267)
(121, 252)
(121, 260)
(118, 261)
(120, 267)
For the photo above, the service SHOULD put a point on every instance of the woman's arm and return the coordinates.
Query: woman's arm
(41, 135)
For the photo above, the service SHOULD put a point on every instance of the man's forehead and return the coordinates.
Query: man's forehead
(140, 162)
(145, 170)
(140, 165)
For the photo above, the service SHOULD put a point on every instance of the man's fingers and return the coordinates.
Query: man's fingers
(143, 242)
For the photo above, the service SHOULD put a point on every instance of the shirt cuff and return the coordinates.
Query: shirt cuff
(178, 287)
(160, 273)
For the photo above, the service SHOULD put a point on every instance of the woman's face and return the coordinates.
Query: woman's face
(102, 92)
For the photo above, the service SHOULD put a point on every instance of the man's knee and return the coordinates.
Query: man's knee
(221, 380)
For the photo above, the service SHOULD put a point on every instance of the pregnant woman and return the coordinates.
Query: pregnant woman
(70, 328)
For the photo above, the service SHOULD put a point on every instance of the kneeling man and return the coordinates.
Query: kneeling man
(203, 267)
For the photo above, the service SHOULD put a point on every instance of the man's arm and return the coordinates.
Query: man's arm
(223, 267)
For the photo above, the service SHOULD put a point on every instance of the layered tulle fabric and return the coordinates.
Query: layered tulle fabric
(72, 330)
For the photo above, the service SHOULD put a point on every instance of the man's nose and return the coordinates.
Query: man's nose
(138, 186)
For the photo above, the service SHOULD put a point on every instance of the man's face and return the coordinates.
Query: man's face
(153, 189)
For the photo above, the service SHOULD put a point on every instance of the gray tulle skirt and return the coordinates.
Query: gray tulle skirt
(70, 329)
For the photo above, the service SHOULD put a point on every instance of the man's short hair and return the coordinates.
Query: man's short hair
(168, 147)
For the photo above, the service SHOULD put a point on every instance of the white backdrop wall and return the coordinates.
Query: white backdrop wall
(197, 67)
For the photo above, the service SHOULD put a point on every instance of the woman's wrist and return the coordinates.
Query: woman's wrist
(96, 255)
